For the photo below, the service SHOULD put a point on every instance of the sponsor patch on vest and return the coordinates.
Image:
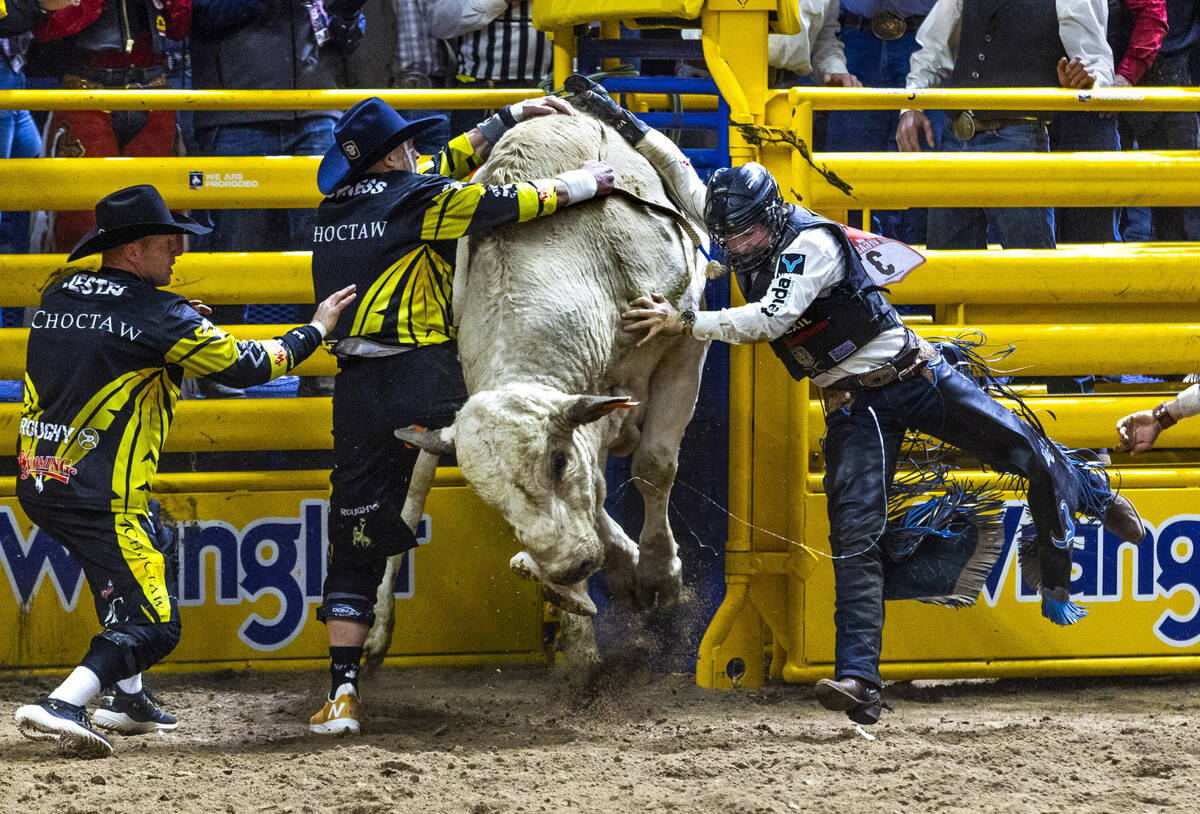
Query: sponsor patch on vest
(842, 351)
(791, 263)
(802, 356)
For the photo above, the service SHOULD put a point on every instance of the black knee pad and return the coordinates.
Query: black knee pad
(352, 607)
(128, 648)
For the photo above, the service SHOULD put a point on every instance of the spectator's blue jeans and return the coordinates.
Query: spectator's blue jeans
(1078, 131)
(19, 138)
(257, 230)
(1015, 227)
(880, 64)
(1164, 131)
(262, 230)
(862, 444)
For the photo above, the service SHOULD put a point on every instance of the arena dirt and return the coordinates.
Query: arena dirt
(530, 740)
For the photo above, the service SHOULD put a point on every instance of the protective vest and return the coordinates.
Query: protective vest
(835, 325)
(1008, 44)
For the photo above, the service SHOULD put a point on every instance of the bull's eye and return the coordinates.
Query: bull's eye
(558, 464)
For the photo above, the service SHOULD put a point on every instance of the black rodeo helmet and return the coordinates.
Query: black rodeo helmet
(739, 198)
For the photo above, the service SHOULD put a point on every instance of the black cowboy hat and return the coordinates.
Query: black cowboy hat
(130, 214)
(365, 133)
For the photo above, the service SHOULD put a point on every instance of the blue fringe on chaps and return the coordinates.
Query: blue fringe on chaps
(862, 444)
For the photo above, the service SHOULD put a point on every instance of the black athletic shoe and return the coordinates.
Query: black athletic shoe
(133, 714)
(859, 700)
(49, 719)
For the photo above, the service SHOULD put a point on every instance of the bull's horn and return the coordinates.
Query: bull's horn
(564, 596)
(586, 409)
(428, 440)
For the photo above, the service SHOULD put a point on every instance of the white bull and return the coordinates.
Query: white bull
(555, 384)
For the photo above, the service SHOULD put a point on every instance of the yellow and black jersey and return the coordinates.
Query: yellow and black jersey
(106, 356)
(393, 235)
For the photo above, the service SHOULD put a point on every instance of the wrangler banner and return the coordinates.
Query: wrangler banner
(251, 566)
(1142, 601)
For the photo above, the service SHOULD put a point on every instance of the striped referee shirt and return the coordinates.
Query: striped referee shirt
(492, 40)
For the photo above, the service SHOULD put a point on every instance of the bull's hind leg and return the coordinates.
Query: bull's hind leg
(672, 397)
(379, 638)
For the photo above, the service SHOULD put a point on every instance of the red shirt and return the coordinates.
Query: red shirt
(1149, 28)
(177, 14)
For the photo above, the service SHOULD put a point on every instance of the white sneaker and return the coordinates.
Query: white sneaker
(50, 719)
(339, 716)
(133, 713)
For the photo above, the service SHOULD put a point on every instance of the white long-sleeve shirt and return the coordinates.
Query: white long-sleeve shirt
(808, 268)
(817, 48)
(1081, 27)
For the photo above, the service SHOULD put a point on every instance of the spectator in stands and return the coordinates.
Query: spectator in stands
(493, 44)
(117, 44)
(265, 44)
(815, 52)
(399, 52)
(1138, 431)
(398, 362)
(879, 38)
(1135, 32)
(21, 16)
(1163, 130)
(1023, 43)
(19, 137)
(107, 352)
(419, 61)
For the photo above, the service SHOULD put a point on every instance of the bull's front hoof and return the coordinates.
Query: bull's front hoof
(659, 585)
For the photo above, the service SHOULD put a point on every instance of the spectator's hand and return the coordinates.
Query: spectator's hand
(200, 308)
(1121, 81)
(840, 80)
(912, 124)
(605, 179)
(541, 106)
(1137, 432)
(56, 5)
(1075, 74)
(331, 306)
(654, 315)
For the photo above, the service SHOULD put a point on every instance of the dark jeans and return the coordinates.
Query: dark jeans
(1016, 227)
(1165, 131)
(19, 138)
(880, 64)
(861, 448)
(261, 230)
(257, 230)
(1078, 131)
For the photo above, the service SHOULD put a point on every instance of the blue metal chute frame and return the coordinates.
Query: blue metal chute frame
(698, 501)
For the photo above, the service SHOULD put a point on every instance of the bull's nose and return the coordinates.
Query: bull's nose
(573, 575)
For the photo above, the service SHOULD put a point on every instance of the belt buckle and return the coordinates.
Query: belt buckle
(879, 377)
(888, 25)
(963, 125)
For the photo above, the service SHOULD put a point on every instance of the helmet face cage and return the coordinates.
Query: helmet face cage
(740, 200)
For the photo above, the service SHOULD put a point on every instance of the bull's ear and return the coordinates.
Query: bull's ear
(586, 409)
(439, 442)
